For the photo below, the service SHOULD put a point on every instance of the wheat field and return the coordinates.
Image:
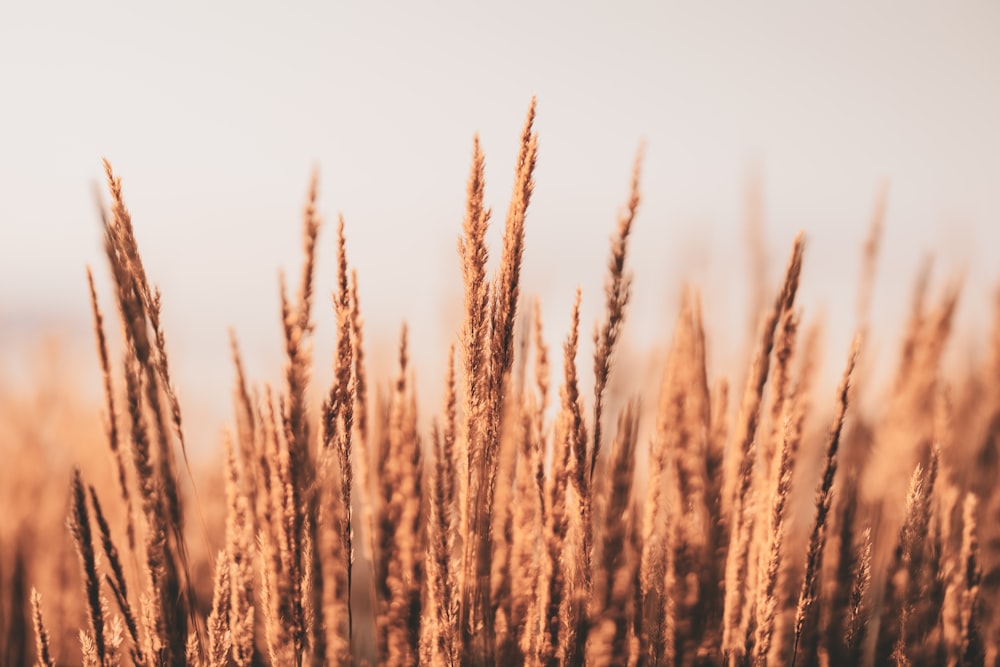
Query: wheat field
(757, 520)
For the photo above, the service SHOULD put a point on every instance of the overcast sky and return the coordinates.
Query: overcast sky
(215, 113)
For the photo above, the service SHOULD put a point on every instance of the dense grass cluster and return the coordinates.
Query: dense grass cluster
(503, 536)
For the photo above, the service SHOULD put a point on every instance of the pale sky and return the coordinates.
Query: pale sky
(215, 113)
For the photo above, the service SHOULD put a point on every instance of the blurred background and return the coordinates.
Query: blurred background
(215, 114)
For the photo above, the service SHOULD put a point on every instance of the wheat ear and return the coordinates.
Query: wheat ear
(617, 290)
(219, 638)
(824, 499)
(737, 485)
(41, 634)
(117, 584)
(79, 526)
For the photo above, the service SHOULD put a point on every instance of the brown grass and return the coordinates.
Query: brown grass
(502, 535)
